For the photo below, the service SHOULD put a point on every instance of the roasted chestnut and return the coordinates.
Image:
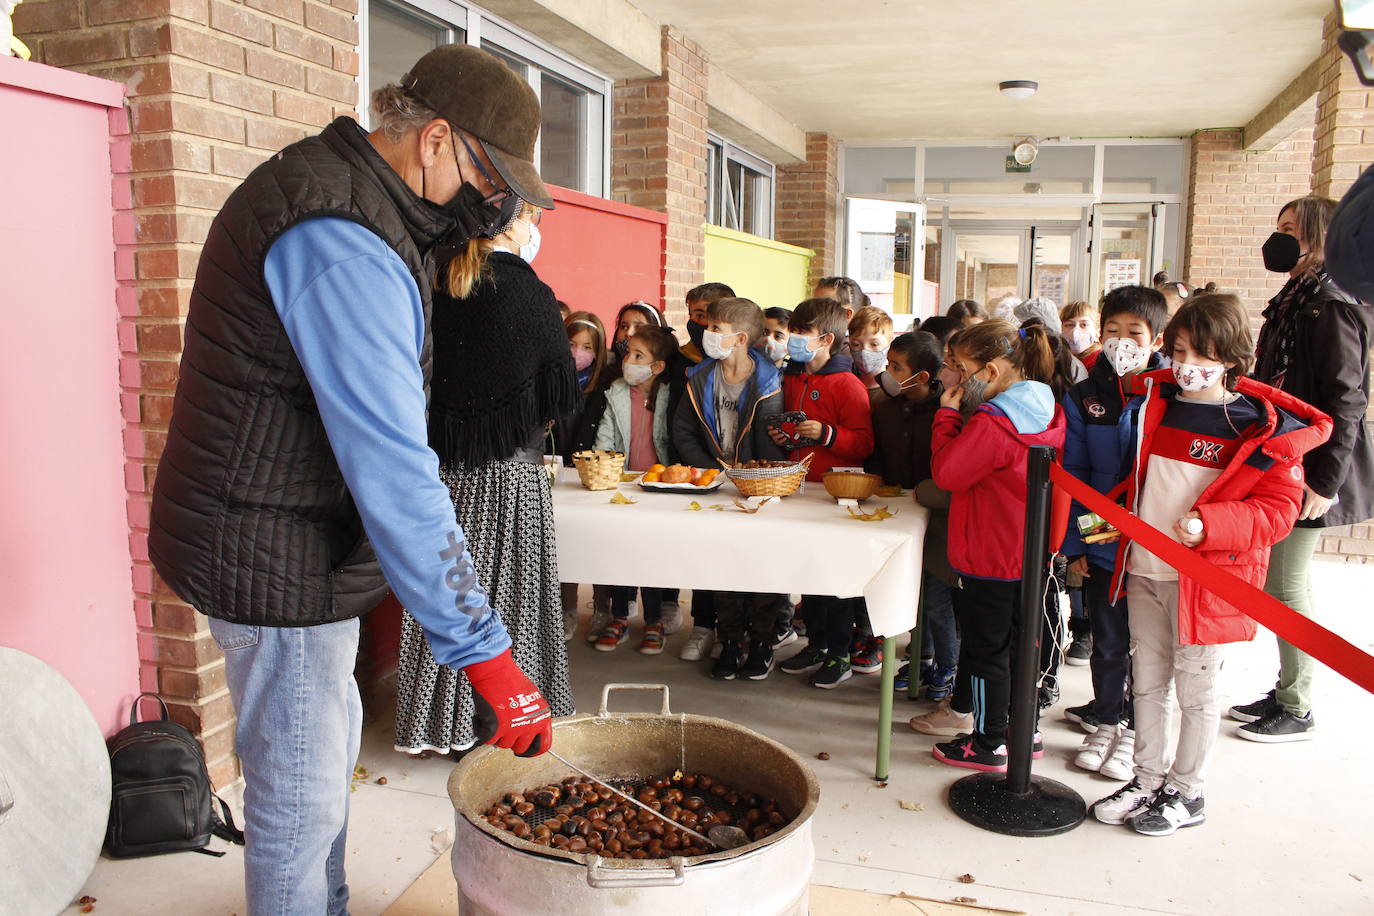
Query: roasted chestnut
(694, 803)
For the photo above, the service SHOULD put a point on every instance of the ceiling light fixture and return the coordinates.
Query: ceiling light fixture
(1018, 89)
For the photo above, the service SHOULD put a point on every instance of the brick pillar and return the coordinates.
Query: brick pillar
(659, 159)
(1344, 136)
(1233, 203)
(214, 87)
(807, 195)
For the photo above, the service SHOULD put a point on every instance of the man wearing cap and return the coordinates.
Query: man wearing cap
(297, 482)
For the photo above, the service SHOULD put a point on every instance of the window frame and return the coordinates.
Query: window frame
(481, 28)
(719, 192)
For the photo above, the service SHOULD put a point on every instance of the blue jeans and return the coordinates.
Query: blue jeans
(299, 727)
(941, 637)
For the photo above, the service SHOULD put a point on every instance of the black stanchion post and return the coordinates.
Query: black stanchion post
(1018, 803)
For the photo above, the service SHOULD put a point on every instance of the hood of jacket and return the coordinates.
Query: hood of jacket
(765, 380)
(1030, 406)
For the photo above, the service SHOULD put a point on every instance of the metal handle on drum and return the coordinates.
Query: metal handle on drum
(600, 878)
(606, 695)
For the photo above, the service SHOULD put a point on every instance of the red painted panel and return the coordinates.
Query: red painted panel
(598, 254)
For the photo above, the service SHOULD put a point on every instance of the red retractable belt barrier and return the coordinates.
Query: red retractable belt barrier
(1316, 640)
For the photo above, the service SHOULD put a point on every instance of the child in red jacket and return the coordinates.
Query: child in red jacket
(981, 438)
(838, 428)
(1219, 469)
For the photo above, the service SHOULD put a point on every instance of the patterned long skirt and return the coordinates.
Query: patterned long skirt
(506, 511)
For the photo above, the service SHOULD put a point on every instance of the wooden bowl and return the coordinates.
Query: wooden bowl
(849, 485)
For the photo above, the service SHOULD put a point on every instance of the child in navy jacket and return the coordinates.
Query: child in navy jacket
(1102, 416)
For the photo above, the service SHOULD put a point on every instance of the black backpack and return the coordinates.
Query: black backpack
(161, 799)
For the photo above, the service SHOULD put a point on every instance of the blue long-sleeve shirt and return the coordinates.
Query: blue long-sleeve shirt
(356, 321)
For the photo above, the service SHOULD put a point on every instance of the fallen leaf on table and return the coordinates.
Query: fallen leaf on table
(877, 515)
(628, 477)
(754, 504)
(911, 805)
(965, 879)
(620, 499)
(888, 492)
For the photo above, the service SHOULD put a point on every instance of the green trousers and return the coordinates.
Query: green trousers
(1290, 562)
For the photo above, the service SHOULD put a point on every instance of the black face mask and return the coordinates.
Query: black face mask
(695, 332)
(621, 347)
(1281, 253)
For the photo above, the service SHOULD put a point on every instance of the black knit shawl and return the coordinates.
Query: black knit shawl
(502, 367)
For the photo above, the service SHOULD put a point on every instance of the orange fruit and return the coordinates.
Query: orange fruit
(707, 477)
(656, 469)
(651, 476)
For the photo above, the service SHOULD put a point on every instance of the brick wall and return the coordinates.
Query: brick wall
(1233, 203)
(1344, 139)
(807, 196)
(659, 159)
(214, 87)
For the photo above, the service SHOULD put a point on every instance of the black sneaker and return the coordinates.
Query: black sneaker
(805, 661)
(1084, 716)
(1048, 695)
(832, 674)
(760, 661)
(1280, 725)
(965, 751)
(1080, 650)
(731, 658)
(1167, 813)
(1253, 712)
(785, 635)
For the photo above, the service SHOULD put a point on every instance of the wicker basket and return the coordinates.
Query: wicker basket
(849, 485)
(781, 478)
(599, 469)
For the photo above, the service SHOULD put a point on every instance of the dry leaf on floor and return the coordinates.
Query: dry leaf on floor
(882, 785)
(620, 499)
(89, 899)
(963, 899)
(863, 858)
(965, 879)
(823, 755)
(88, 908)
(911, 805)
(381, 780)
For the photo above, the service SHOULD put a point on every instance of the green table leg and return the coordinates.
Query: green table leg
(913, 685)
(889, 674)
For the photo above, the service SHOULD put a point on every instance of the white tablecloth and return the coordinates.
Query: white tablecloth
(802, 544)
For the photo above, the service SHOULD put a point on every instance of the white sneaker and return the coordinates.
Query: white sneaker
(1096, 747)
(1121, 804)
(600, 618)
(1120, 763)
(697, 644)
(672, 617)
(569, 624)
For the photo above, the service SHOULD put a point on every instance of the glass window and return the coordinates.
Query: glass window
(397, 38)
(880, 170)
(739, 189)
(983, 170)
(1143, 169)
(561, 132)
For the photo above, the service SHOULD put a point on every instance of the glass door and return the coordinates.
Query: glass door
(1052, 267)
(885, 253)
(985, 265)
(1126, 247)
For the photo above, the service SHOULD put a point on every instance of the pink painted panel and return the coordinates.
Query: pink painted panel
(66, 591)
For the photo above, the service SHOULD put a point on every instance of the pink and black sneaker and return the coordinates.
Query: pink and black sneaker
(966, 752)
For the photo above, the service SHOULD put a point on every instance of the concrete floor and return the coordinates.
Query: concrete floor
(1287, 830)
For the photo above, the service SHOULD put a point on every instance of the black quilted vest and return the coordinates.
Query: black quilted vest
(251, 519)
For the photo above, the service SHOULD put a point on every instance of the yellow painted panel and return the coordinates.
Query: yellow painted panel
(768, 272)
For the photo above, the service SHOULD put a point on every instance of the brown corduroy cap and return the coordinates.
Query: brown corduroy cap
(475, 91)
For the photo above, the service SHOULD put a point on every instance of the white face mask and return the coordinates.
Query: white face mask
(776, 349)
(1124, 354)
(871, 362)
(636, 373)
(710, 343)
(530, 249)
(1081, 339)
(1197, 378)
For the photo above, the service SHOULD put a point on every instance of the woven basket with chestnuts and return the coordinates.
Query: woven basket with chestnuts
(579, 816)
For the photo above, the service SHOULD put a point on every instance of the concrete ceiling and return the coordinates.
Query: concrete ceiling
(879, 69)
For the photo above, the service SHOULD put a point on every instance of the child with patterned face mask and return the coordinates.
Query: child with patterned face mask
(1218, 467)
(1079, 327)
(870, 336)
(636, 422)
(1102, 413)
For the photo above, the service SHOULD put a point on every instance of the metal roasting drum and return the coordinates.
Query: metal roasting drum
(501, 875)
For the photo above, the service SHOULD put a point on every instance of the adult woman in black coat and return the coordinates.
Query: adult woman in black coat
(1315, 345)
(502, 373)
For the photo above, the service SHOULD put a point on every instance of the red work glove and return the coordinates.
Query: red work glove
(511, 712)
